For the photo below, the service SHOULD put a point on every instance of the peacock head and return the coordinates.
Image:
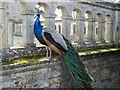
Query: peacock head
(38, 13)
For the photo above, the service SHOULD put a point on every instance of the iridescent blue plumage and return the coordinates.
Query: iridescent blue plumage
(38, 30)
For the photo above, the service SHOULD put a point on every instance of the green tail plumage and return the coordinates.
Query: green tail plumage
(76, 67)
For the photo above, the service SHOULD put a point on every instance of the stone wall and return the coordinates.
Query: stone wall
(32, 75)
(13, 54)
(103, 67)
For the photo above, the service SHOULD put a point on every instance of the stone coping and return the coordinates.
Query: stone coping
(45, 60)
(81, 54)
(17, 68)
(100, 51)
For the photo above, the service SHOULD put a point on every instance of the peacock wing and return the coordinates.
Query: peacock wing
(55, 38)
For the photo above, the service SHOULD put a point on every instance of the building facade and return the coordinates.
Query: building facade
(83, 23)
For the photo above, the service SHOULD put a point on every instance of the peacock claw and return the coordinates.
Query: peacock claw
(48, 57)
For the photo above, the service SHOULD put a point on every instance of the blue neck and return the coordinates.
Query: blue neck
(37, 26)
(38, 30)
(37, 22)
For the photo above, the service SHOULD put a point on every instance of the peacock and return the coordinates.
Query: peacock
(57, 42)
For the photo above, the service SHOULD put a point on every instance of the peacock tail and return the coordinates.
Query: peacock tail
(76, 67)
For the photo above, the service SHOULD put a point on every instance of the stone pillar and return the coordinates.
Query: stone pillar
(93, 27)
(77, 32)
(82, 35)
(66, 26)
(3, 26)
(108, 31)
(10, 32)
(89, 32)
(99, 31)
(116, 29)
(1, 36)
(50, 20)
(111, 31)
(27, 31)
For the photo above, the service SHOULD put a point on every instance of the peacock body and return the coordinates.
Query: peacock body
(74, 63)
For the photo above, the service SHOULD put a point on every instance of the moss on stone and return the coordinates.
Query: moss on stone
(27, 59)
(100, 46)
(41, 56)
(98, 50)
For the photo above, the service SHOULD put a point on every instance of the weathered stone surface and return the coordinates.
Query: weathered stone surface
(13, 54)
(104, 68)
(54, 74)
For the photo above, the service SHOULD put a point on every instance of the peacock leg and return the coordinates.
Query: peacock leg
(46, 52)
(50, 53)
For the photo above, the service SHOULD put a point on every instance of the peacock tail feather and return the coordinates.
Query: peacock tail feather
(76, 67)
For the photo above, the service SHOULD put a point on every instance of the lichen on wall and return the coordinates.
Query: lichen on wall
(103, 67)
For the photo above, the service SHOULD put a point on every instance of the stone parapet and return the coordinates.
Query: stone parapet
(53, 73)
(12, 54)
(41, 74)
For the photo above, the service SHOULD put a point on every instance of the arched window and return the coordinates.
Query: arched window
(108, 30)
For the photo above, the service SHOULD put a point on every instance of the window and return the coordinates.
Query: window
(74, 28)
(59, 28)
